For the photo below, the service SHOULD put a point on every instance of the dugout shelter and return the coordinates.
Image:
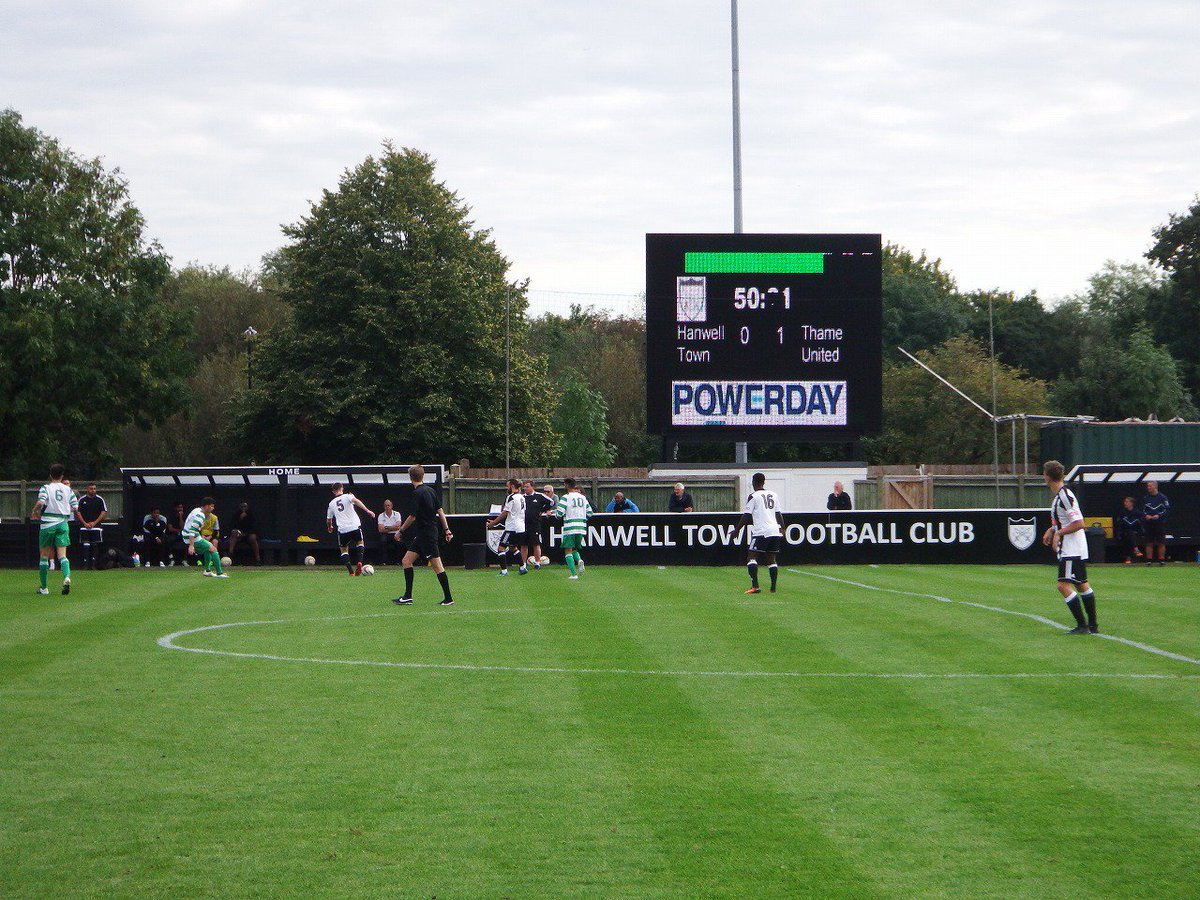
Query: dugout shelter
(289, 502)
(1102, 486)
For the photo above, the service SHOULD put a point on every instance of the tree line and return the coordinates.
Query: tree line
(383, 325)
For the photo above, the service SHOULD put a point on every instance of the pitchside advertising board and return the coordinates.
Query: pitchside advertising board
(978, 536)
(764, 337)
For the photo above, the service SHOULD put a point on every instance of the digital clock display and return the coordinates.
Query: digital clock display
(764, 336)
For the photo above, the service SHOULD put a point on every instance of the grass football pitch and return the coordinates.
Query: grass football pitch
(899, 731)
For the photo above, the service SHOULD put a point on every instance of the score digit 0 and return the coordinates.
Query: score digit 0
(745, 335)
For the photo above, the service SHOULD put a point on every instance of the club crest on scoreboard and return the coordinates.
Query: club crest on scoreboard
(691, 299)
(1022, 533)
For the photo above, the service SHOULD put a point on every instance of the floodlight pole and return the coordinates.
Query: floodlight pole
(741, 453)
(995, 424)
(507, 373)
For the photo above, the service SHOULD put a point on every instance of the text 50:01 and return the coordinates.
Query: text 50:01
(758, 298)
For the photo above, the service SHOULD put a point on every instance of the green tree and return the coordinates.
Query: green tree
(88, 342)
(395, 348)
(609, 354)
(580, 419)
(1174, 314)
(223, 305)
(921, 304)
(926, 422)
(1118, 379)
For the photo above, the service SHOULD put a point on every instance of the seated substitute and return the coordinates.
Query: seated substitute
(155, 540)
(766, 531)
(620, 503)
(175, 541)
(388, 523)
(245, 528)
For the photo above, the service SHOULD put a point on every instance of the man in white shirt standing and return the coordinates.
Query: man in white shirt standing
(766, 531)
(512, 514)
(388, 523)
(349, 526)
(1066, 536)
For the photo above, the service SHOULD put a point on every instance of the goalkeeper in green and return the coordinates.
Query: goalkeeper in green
(197, 544)
(573, 508)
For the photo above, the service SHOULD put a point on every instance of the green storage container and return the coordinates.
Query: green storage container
(1077, 443)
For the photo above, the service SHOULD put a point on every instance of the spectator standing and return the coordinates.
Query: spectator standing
(839, 500)
(92, 511)
(681, 500)
(155, 541)
(1155, 509)
(388, 522)
(1129, 530)
(245, 528)
(537, 507)
(620, 503)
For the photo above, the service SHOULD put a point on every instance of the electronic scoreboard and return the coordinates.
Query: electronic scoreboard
(764, 337)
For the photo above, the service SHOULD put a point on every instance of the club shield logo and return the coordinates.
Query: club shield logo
(1022, 533)
(493, 539)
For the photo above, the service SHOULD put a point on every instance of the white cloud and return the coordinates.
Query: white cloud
(1023, 143)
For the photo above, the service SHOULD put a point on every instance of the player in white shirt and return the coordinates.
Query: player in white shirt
(197, 544)
(342, 511)
(1066, 536)
(765, 519)
(512, 514)
(56, 506)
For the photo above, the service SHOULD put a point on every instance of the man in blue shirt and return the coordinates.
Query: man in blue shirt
(1155, 508)
(620, 504)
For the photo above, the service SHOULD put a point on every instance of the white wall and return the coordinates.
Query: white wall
(799, 489)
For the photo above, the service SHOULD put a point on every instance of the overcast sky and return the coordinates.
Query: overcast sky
(1024, 143)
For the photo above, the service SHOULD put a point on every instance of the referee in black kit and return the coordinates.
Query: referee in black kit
(419, 532)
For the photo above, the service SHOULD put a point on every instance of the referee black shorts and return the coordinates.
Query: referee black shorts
(424, 543)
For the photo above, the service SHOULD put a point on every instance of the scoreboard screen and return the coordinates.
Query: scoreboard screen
(764, 337)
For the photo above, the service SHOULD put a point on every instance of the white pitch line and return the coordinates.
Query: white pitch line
(1137, 645)
(168, 642)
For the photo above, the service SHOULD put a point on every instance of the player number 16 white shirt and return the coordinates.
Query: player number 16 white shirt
(762, 507)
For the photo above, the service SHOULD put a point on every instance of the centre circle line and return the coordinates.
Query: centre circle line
(170, 642)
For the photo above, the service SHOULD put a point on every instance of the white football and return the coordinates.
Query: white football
(368, 569)
(226, 561)
(545, 560)
(310, 560)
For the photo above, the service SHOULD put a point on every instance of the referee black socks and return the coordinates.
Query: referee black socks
(444, 580)
(408, 580)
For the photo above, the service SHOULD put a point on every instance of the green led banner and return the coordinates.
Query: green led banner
(734, 263)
